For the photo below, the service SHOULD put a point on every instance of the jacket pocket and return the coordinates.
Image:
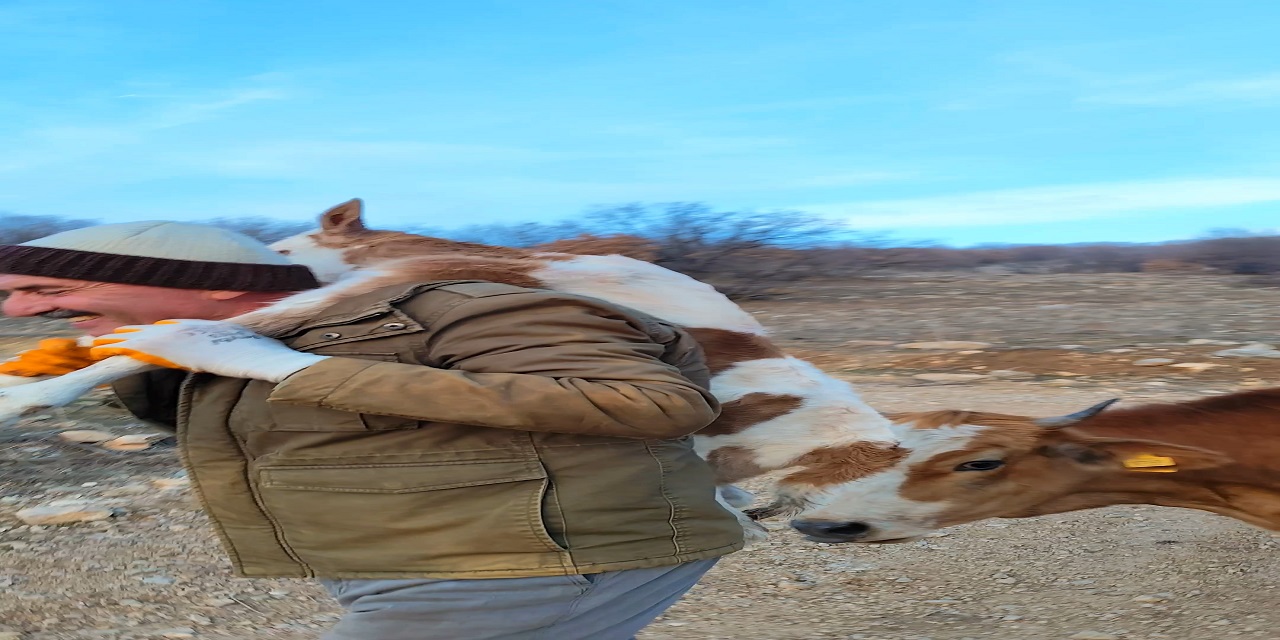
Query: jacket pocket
(447, 517)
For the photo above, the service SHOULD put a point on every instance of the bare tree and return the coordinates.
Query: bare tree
(742, 254)
(15, 228)
(1248, 255)
(263, 229)
(525, 234)
(752, 254)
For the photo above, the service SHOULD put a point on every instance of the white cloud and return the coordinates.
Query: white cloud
(1053, 204)
(61, 142)
(193, 111)
(851, 179)
(1261, 88)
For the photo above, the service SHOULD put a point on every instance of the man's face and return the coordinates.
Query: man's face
(97, 308)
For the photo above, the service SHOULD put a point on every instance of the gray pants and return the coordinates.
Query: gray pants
(613, 605)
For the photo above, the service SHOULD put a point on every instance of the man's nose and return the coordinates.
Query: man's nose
(19, 304)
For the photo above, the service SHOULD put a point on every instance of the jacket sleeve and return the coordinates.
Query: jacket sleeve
(533, 361)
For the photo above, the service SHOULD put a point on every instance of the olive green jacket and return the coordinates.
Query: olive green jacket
(461, 430)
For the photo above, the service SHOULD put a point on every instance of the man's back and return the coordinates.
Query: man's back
(468, 430)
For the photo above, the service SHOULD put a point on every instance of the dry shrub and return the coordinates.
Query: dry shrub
(1168, 265)
(1245, 255)
(15, 229)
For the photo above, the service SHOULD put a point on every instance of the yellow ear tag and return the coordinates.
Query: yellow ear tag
(1148, 463)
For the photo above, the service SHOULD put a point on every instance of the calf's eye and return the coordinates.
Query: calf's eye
(981, 465)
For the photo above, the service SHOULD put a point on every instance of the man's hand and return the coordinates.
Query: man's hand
(209, 346)
(51, 357)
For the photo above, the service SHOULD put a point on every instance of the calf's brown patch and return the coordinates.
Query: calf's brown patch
(749, 410)
(726, 348)
(844, 463)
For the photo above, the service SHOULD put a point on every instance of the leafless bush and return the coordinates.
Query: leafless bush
(752, 255)
(15, 229)
(1248, 255)
(263, 229)
(525, 234)
(1170, 265)
(743, 254)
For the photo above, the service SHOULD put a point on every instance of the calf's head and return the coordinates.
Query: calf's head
(963, 466)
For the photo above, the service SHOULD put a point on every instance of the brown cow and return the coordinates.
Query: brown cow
(1219, 454)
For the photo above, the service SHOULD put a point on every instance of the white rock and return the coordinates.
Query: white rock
(1251, 350)
(1153, 362)
(133, 442)
(86, 436)
(1011, 374)
(64, 513)
(170, 483)
(1094, 635)
(949, 377)
(1155, 597)
(1224, 343)
(1195, 367)
(178, 632)
(946, 345)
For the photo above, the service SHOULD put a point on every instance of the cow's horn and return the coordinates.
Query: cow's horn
(1065, 421)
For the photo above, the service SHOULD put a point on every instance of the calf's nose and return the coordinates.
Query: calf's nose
(843, 531)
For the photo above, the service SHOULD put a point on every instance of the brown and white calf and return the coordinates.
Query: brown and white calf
(1219, 454)
(780, 413)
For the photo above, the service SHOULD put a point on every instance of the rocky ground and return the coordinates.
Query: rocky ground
(1055, 343)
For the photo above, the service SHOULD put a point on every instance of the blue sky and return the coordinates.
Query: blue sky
(950, 120)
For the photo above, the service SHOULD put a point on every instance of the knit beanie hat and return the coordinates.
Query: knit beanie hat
(178, 255)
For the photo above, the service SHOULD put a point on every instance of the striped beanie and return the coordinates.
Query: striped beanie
(178, 255)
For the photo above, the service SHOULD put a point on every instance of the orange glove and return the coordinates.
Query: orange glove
(51, 357)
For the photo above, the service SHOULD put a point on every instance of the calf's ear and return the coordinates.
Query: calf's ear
(345, 218)
(1147, 456)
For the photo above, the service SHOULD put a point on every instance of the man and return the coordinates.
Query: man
(453, 460)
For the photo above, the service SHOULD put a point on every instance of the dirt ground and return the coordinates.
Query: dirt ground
(154, 571)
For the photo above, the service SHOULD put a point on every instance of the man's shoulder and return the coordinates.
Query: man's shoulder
(478, 289)
(492, 294)
(427, 301)
(428, 290)
(488, 297)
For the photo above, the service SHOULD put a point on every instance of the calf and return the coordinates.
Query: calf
(1219, 454)
(780, 413)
